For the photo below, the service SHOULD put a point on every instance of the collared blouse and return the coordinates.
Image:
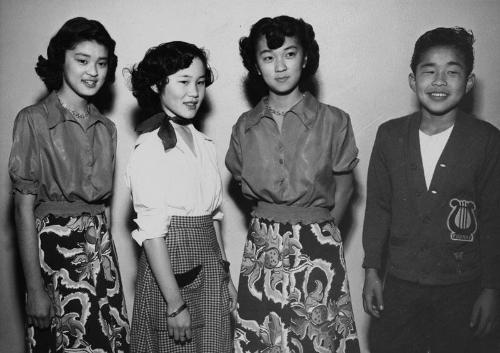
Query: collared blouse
(176, 182)
(69, 168)
(294, 167)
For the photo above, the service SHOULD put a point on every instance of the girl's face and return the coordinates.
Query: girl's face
(184, 92)
(281, 68)
(85, 69)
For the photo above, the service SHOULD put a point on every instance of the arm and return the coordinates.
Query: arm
(343, 192)
(157, 253)
(376, 227)
(233, 294)
(39, 309)
(485, 311)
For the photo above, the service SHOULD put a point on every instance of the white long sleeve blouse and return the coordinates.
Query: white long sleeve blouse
(176, 182)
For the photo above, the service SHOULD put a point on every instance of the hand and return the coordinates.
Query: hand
(179, 326)
(373, 302)
(233, 295)
(485, 312)
(39, 308)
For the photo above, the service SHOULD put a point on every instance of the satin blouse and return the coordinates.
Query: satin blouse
(69, 168)
(294, 167)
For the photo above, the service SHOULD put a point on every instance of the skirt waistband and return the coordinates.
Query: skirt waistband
(66, 208)
(191, 221)
(291, 214)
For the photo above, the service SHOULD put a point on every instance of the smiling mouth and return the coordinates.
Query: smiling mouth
(281, 79)
(90, 83)
(438, 94)
(191, 105)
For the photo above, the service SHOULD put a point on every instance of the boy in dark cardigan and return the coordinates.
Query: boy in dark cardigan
(433, 203)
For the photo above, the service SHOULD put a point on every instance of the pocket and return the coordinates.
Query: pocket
(191, 294)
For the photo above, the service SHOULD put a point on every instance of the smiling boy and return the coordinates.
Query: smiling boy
(433, 203)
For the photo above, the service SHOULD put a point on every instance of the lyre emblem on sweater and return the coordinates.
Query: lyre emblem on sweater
(462, 221)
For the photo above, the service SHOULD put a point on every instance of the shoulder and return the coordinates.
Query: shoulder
(332, 113)
(398, 126)
(33, 112)
(479, 127)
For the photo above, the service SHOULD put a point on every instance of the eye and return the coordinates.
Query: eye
(201, 83)
(184, 82)
(453, 72)
(82, 61)
(103, 64)
(291, 54)
(267, 58)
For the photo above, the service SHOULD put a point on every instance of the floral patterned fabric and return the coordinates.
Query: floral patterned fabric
(80, 271)
(293, 291)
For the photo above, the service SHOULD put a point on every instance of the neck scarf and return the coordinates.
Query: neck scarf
(166, 132)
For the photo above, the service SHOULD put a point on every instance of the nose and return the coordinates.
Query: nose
(193, 90)
(92, 70)
(280, 65)
(440, 80)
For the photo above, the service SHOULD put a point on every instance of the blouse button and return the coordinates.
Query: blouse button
(281, 161)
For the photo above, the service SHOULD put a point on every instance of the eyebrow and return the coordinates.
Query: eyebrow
(88, 56)
(449, 63)
(293, 46)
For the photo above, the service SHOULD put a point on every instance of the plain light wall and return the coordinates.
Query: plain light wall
(365, 49)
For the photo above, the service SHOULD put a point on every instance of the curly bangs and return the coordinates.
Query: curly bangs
(73, 32)
(457, 38)
(275, 30)
(159, 63)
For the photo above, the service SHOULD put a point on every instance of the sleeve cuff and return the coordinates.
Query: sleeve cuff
(150, 226)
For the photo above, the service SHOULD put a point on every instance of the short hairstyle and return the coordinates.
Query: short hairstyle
(73, 32)
(275, 30)
(457, 38)
(159, 63)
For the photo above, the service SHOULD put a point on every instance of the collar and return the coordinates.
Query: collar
(56, 113)
(306, 111)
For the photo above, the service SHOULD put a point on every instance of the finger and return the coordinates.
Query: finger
(474, 316)
(188, 334)
(170, 331)
(380, 298)
(177, 334)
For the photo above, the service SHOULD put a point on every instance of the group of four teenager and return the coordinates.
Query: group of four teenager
(432, 190)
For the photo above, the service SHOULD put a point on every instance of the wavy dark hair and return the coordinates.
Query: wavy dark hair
(159, 63)
(457, 38)
(275, 30)
(73, 32)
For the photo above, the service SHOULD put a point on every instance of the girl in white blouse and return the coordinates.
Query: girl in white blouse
(184, 293)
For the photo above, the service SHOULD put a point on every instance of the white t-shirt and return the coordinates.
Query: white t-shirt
(174, 182)
(431, 147)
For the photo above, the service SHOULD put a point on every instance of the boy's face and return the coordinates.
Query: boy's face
(440, 81)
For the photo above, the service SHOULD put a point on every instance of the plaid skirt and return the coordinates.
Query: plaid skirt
(191, 242)
(80, 272)
(293, 293)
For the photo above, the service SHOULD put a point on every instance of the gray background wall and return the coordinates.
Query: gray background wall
(365, 52)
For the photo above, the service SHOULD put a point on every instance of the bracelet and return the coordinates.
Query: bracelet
(178, 311)
(225, 264)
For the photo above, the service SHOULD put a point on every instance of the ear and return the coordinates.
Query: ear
(304, 64)
(412, 82)
(258, 70)
(154, 88)
(471, 81)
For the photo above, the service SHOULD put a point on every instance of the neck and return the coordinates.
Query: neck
(73, 100)
(180, 121)
(285, 102)
(434, 124)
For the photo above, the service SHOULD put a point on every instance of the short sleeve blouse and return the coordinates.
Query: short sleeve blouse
(69, 168)
(170, 183)
(294, 167)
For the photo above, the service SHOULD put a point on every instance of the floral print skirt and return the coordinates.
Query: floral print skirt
(293, 293)
(80, 271)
